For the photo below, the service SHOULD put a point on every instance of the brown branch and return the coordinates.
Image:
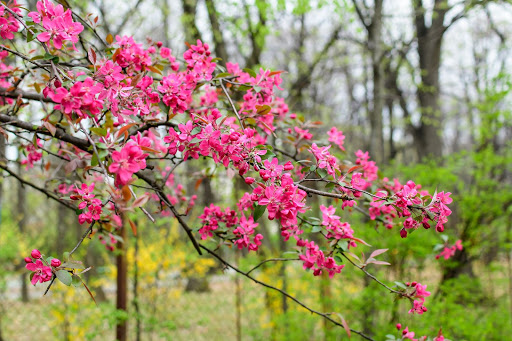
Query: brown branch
(40, 189)
(324, 315)
(60, 134)
(272, 260)
(158, 190)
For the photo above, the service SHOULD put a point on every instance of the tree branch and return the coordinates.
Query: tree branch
(246, 274)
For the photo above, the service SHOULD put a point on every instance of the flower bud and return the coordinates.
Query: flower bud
(398, 326)
(288, 166)
(249, 180)
(28, 260)
(159, 44)
(403, 233)
(439, 228)
(35, 254)
(55, 263)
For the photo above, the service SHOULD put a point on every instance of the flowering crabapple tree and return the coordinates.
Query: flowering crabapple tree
(122, 116)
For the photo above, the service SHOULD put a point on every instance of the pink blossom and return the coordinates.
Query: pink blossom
(129, 160)
(336, 136)
(58, 24)
(8, 23)
(42, 273)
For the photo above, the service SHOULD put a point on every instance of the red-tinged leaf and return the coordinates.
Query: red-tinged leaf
(47, 166)
(198, 183)
(110, 39)
(317, 123)
(140, 201)
(378, 262)
(354, 168)
(89, 291)
(134, 228)
(114, 56)
(51, 128)
(151, 150)
(96, 20)
(273, 73)
(344, 324)
(127, 194)
(92, 55)
(377, 252)
(153, 69)
(360, 241)
(352, 255)
(263, 109)
(123, 130)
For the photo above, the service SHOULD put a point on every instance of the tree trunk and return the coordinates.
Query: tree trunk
(188, 20)
(122, 282)
(375, 45)
(427, 136)
(22, 213)
(218, 38)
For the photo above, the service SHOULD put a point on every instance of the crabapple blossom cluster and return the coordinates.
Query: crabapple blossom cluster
(448, 252)
(336, 136)
(81, 99)
(41, 270)
(406, 334)
(409, 201)
(33, 154)
(127, 161)
(8, 23)
(214, 219)
(418, 294)
(91, 207)
(58, 24)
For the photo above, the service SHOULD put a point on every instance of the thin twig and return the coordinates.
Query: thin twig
(375, 278)
(42, 190)
(272, 260)
(324, 315)
(232, 104)
(83, 237)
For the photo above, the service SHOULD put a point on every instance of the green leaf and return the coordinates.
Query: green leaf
(257, 89)
(81, 78)
(99, 131)
(195, 131)
(94, 160)
(76, 281)
(73, 265)
(322, 172)
(267, 156)
(64, 277)
(316, 228)
(401, 285)
(244, 87)
(258, 211)
(223, 74)
(250, 72)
